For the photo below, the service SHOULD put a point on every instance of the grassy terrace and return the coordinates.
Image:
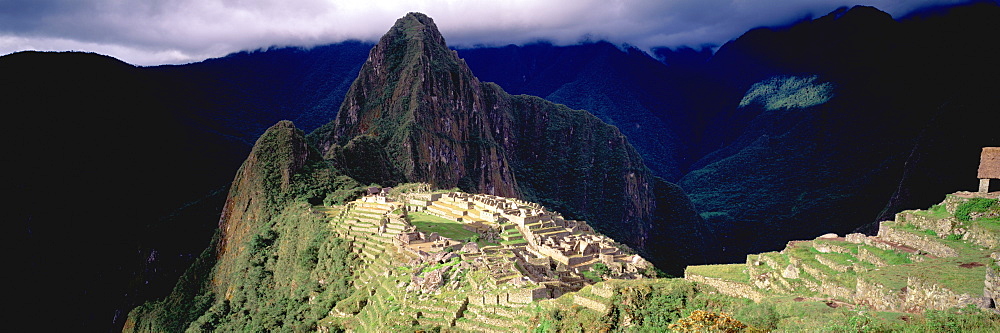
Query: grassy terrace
(991, 224)
(936, 211)
(514, 242)
(731, 272)
(962, 274)
(948, 272)
(891, 257)
(805, 252)
(329, 210)
(844, 259)
(444, 227)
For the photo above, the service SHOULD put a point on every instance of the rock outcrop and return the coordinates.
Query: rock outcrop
(433, 120)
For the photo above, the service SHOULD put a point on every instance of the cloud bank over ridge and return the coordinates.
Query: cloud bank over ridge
(178, 31)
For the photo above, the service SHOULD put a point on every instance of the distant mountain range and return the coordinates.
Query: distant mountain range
(119, 172)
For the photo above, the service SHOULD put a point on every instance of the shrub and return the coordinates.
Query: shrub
(601, 269)
(707, 321)
(974, 205)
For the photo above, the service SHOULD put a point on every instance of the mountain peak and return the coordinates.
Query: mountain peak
(415, 27)
(412, 93)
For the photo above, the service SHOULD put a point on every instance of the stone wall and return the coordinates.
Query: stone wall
(856, 238)
(605, 290)
(790, 272)
(500, 311)
(876, 295)
(730, 288)
(983, 237)
(925, 243)
(824, 247)
(991, 285)
(951, 203)
(815, 272)
(923, 295)
(865, 255)
(498, 322)
(833, 265)
(525, 296)
(514, 298)
(589, 303)
(835, 291)
(943, 226)
(770, 261)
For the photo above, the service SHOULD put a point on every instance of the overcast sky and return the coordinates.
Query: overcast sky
(151, 32)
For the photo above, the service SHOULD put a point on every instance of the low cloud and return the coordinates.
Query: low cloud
(178, 31)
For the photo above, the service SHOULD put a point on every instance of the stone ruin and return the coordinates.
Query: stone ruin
(555, 251)
(542, 255)
(989, 167)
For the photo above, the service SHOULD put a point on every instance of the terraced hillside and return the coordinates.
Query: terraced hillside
(459, 261)
(935, 259)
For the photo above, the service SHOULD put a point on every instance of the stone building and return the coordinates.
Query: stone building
(989, 167)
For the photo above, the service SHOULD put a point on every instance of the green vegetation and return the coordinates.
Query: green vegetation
(938, 211)
(592, 276)
(444, 227)
(787, 92)
(280, 267)
(278, 277)
(189, 299)
(975, 205)
(731, 272)
(601, 269)
(891, 257)
(454, 261)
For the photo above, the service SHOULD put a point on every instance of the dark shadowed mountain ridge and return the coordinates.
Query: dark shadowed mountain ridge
(851, 111)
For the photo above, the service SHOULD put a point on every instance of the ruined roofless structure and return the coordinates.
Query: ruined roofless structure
(989, 167)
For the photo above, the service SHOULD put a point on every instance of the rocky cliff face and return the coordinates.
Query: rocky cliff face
(430, 116)
(260, 187)
(418, 106)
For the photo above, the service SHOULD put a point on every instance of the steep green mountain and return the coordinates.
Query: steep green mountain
(262, 266)
(416, 113)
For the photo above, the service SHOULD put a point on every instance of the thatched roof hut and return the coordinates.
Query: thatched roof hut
(989, 163)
